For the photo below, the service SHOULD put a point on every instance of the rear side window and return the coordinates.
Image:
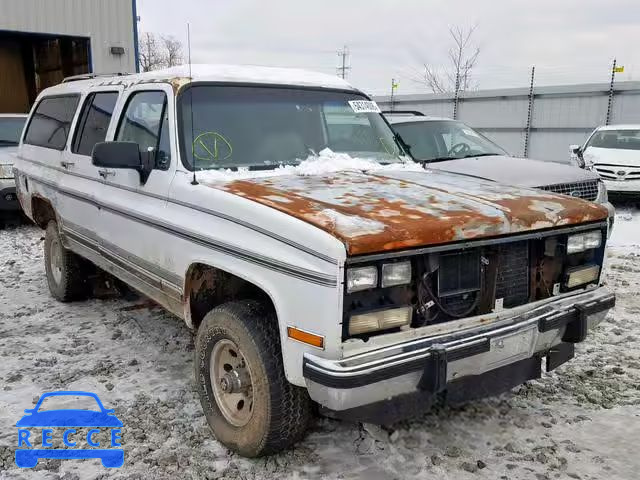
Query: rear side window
(145, 122)
(94, 121)
(51, 122)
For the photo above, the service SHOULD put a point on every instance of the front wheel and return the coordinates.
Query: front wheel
(249, 404)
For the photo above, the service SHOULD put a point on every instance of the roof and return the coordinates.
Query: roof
(184, 74)
(627, 126)
(401, 118)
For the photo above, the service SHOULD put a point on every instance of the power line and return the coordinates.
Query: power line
(342, 70)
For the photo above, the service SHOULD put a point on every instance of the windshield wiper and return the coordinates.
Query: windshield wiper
(437, 159)
(444, 159)
(10, 143)
(480, 155)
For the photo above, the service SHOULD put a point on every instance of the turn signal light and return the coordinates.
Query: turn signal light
(306, 337)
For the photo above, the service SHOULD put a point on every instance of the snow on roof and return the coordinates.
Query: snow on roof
(184, 74)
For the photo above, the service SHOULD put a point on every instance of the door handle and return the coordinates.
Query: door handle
(104, 173)
(67, 164)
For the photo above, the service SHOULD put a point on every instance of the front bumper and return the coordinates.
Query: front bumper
(629, 187)
(431, 364)
(611, 215)
(8, 196)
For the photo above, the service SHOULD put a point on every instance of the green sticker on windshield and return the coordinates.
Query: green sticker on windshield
(211, 147)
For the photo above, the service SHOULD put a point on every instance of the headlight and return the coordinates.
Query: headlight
(584, 241)
(6, 171)
(581, 275)
(380, 320)
(396, 274)
(362, 278)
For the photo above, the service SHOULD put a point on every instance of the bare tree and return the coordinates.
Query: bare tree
(172, 51)
(159, 52)
(462, 58)
(151, 57)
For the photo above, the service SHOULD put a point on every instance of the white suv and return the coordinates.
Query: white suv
(275, 212)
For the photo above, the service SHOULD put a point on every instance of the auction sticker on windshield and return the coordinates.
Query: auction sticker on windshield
(364, 106)
(81, 433)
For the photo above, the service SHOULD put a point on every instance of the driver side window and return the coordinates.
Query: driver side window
(145, 122)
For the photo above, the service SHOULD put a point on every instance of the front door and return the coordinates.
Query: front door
(134, 213)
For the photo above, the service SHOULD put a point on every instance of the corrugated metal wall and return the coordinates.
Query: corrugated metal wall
(561, 116)
(108, 23)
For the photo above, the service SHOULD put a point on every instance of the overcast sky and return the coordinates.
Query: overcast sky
(569, 41)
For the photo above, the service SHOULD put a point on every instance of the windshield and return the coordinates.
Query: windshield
(10, 130)
(624, 139)
(262, 127)
(439, 140)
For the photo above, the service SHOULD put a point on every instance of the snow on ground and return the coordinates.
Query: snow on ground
(579, 422)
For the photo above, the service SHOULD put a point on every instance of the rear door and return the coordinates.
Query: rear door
(43, 147)
(81, 180)
(134, 213)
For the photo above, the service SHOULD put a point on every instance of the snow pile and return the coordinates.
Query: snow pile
(327, 161)
(626, 229)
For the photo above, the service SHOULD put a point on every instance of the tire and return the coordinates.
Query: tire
(66, 278)
(279, 412)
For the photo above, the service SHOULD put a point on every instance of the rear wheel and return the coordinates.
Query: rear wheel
(249, 404)
(65, 270)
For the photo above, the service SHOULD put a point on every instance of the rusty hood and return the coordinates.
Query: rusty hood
(391, 210)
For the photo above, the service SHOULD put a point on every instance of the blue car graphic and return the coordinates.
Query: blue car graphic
(111, 458)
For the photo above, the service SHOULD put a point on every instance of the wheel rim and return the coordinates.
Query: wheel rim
(55, 254)
(231, 382)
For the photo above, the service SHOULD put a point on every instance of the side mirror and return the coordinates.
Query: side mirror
(576, 151)
(123, 155)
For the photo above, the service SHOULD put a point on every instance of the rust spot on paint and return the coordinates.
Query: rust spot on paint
(379, 212)
(178, 82)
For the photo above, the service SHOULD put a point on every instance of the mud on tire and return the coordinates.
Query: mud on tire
(66, 271)
(281, 412)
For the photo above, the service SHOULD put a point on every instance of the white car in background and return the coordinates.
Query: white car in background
(11, 126)
(613, 152)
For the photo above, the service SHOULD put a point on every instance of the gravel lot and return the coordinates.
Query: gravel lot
(580, 422)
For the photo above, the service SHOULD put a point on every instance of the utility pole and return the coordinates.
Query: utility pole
(342, 71)
(455, 98)
(527, 134)
(394, 86)
(614, 69)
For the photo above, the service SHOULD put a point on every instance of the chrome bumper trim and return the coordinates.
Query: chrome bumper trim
(470, 352)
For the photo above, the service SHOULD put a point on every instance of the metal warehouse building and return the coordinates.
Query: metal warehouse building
(43, 41)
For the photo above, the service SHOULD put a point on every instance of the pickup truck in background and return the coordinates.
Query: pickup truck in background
(11, 126)
(446, 144)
